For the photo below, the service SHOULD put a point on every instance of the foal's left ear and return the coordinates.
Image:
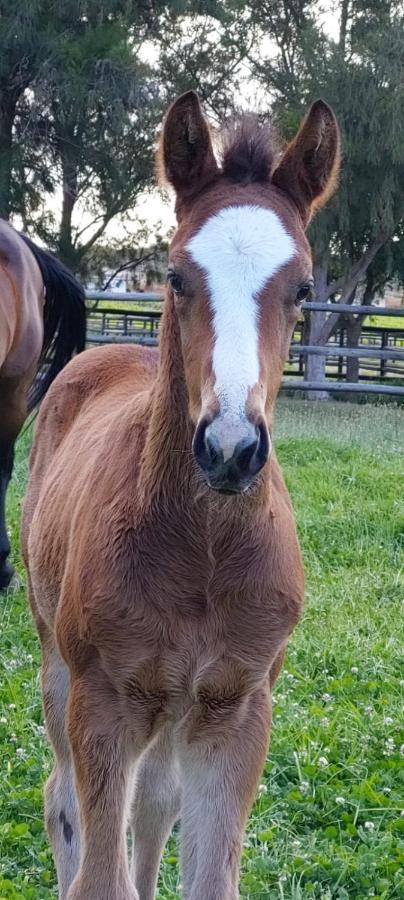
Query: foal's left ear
(308, 170)
(186, 152)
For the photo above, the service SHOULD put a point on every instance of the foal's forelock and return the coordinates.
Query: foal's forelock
(239, 249)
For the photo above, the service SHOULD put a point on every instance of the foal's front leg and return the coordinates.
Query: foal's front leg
(155, 807)
(103, 758)
(221, 768)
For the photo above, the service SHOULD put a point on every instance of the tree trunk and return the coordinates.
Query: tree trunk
(66, 247)
(343, 29)
(315, 365)
(353, 326)
(7, 115)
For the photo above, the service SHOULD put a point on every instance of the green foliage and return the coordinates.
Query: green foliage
(83, 87)
(359, 73)
(326, 824)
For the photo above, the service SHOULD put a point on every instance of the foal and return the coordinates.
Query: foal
(165, 574)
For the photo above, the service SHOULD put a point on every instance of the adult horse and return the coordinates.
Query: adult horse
(165, 573)
(42, 316)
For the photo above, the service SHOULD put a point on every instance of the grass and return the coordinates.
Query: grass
(326, 822)
(385, 321)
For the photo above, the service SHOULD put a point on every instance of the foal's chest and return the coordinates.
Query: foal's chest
(204, 621)
(196, 646)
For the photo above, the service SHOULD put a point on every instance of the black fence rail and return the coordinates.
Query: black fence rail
(115, 317)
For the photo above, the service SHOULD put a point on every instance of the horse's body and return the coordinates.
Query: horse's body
(163, 606)
(41, 311)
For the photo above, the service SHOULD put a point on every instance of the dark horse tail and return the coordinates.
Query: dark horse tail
(64, 320)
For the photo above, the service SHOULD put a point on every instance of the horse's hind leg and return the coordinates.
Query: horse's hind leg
(6, 468)
(61, 808)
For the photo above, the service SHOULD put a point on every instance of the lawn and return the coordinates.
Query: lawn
(326, 822)
(385, 321)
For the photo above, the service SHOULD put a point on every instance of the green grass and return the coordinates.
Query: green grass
(326, 823)
(385, 321)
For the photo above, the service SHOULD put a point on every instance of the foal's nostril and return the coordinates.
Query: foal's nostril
(252, 453)
(205, 446)
(244, 453)
(212, 448)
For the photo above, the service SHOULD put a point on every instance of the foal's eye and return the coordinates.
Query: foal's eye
(305, 292)
(175, 281)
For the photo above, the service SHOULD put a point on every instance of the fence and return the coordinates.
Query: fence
(381, 351)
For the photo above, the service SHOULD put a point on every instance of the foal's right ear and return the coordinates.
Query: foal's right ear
(186, 152)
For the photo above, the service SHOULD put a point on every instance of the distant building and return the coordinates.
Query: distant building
(393, 296)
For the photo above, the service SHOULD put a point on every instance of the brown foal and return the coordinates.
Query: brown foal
(164, 569)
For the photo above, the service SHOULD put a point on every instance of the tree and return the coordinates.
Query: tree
(26, 39)
(83, 86)
(87, 125)
(360, 74)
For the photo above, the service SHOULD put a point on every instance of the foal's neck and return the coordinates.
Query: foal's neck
(167, 465)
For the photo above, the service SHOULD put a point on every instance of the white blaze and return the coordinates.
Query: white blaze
(239, 249)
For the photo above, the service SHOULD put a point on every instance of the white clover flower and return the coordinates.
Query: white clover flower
(370, 826)
(354, 670)
(340, 801)
(387, 720)
(323, 762)
(326, 697)
(262, 789)
(386, 790)
(296, 843)
(12, 706)
(324, 722)
(20, 752)
(304, 787)
(3, 720)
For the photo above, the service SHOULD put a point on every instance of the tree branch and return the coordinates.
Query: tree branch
(348, 283)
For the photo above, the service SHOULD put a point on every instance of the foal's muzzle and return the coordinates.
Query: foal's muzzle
(235, 474)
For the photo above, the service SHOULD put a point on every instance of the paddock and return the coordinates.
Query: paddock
(326, 822)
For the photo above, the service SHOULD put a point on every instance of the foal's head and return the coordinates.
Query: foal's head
(239, 269)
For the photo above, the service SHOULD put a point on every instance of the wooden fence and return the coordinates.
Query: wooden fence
(135, 318)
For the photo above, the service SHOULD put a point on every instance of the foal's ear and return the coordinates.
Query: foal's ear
(308, 170)
(186, 152)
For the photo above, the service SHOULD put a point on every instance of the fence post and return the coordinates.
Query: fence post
(340, 358)
(383, 361)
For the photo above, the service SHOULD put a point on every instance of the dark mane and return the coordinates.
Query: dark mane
(249, 149)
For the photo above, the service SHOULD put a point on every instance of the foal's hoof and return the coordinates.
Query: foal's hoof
(6, 574)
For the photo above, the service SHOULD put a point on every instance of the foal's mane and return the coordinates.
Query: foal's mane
(248, 149)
